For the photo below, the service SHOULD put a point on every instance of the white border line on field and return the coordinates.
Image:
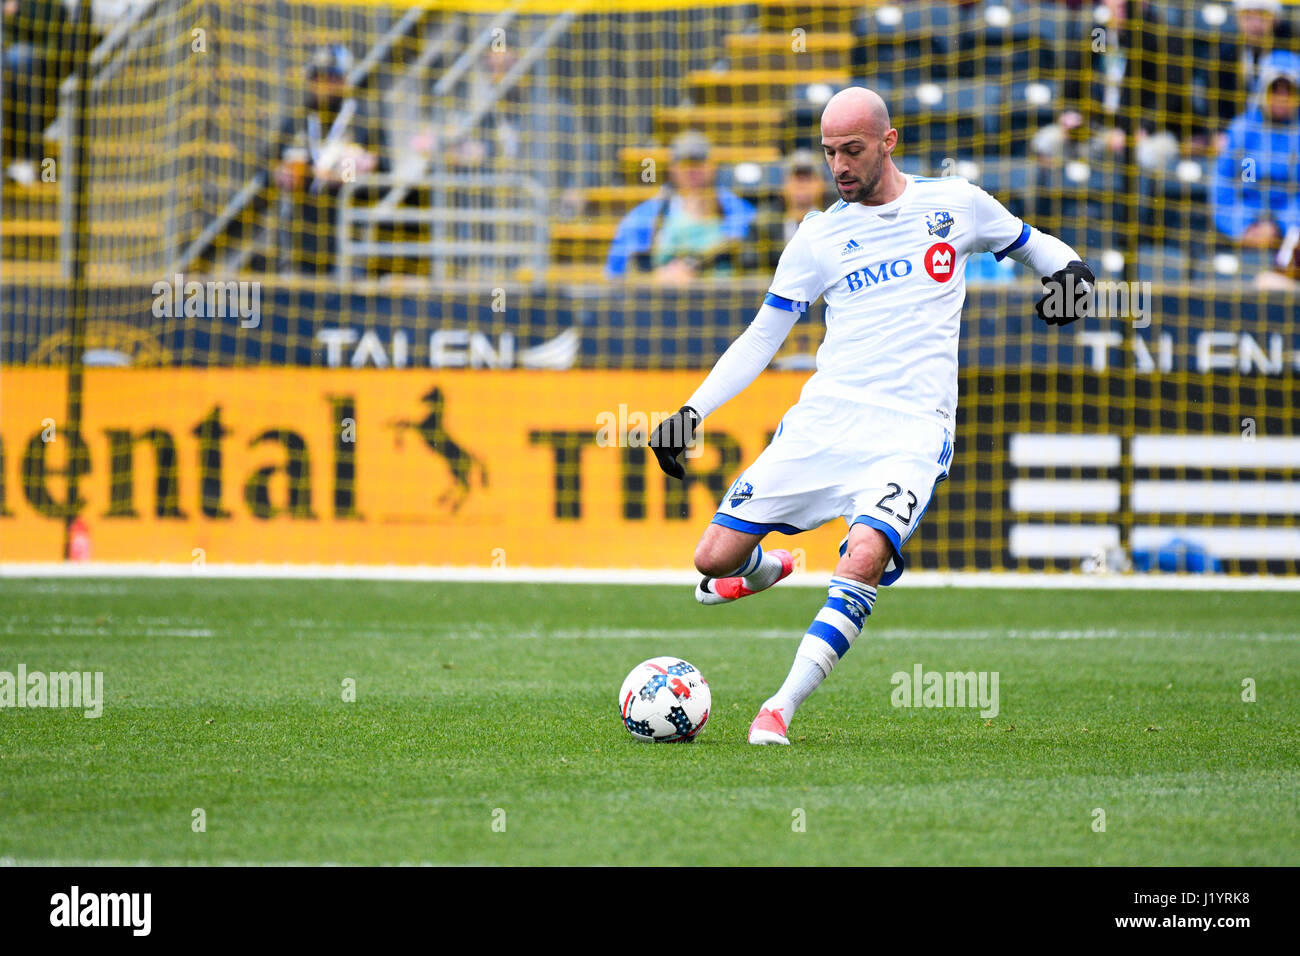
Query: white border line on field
(525, 575)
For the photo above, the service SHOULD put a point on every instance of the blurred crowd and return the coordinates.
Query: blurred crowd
(1205, 120)
(36, 40)
(1224, 114)
(35, 61)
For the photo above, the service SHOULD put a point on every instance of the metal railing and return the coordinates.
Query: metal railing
(417, 174)
(358, 77)
(480, 226)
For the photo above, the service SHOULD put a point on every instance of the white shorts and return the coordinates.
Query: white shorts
(828, 460)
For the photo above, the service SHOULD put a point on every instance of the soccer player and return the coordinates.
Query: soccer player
(871, 434)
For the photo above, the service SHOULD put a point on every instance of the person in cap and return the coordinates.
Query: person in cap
(1228, 67)
(34, 42)
(330, 141)
(1127, 85)
(691, 227)
(1256, 191)
(803, 190)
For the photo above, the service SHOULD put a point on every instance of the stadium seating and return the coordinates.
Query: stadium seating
(508, 143)
(969, 82)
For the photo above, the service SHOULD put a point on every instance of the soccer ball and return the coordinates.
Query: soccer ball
(664, 700)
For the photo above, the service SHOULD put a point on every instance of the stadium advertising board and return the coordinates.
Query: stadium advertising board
(1177, 331)
(375, 467)
(530, 468)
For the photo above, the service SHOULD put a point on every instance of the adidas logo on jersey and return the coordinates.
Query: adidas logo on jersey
(850, 246)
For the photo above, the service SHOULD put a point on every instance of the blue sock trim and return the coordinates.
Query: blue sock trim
(750, 565)
(854, 600)
(850, 609)
(831, 635)
(865, 594)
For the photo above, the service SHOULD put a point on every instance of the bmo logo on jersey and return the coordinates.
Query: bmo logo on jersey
(940, 260)
(857, 281)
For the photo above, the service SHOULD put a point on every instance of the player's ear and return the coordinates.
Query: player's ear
(891, 140)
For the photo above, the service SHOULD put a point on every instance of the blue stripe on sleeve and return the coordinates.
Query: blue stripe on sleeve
(780, 302)
(1024, 237)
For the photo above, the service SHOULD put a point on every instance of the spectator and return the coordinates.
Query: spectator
(36, 40)
(1284, 273)
(524, 127)
(1257, 175)
(1230, 65)
(803, 190)
(319, 149)
(693, 227)
(1135, 51)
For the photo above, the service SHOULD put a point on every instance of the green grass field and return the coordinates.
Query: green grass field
(473, 698)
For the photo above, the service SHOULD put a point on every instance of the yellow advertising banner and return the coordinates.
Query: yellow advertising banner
(469, 468)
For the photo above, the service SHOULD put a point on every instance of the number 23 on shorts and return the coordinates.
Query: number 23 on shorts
(898, 504)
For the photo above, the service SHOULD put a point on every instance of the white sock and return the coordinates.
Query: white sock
(805, 676)
(829, 638)
(769, 569)
(759, 571)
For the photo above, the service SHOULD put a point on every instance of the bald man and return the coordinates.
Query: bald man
(871, 434)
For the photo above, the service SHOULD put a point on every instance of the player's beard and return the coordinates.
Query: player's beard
(861, 188)
(855, 191)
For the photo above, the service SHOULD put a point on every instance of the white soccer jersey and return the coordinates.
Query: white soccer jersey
(893, 277)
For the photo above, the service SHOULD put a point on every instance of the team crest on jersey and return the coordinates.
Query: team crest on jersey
(939, 222)
(741, 491)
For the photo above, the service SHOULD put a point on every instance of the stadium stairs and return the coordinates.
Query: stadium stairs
(759, 103)
(961, 79)
(29, 230)
(745, 109)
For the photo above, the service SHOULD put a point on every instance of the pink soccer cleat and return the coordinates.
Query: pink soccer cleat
(768, 728)
(726, 590)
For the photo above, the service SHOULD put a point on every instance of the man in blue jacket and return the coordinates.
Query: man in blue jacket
(1257, 175)
(693, 227)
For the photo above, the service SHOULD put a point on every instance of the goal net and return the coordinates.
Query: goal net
(407, 283)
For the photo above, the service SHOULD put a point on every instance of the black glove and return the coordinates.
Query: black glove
(1067, 295)
(671, 438)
